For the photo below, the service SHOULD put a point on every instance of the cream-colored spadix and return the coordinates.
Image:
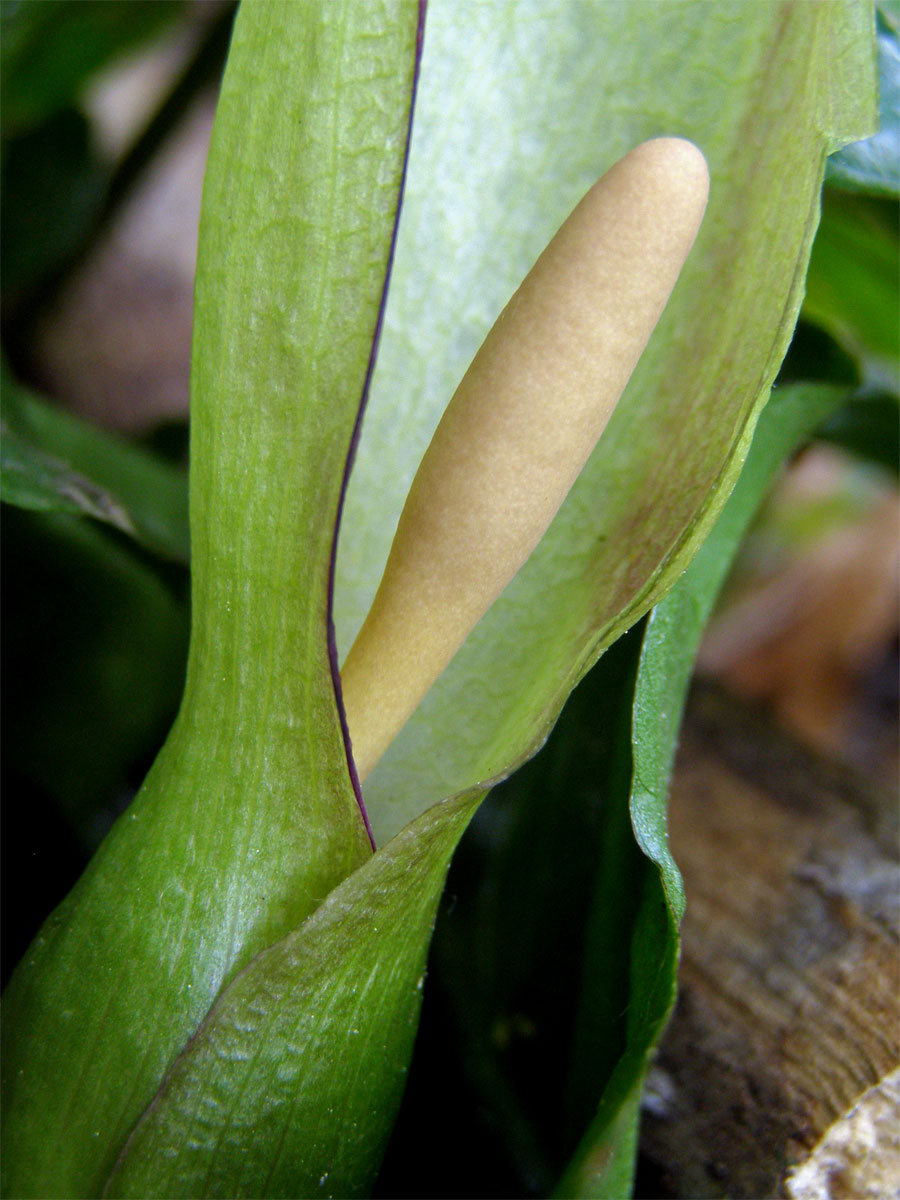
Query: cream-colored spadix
(520, 427)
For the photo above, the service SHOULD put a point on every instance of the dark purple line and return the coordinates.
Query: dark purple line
(357, 427)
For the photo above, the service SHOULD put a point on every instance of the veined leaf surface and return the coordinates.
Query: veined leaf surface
(291, 1085)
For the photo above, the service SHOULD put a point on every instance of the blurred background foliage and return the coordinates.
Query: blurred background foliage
(106, 109)
(98, 99)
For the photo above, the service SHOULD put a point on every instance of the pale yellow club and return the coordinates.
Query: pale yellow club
(520, 427)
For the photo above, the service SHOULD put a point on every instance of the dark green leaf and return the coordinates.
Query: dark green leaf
(51, 47)
(93, 662)
(869, 427)
(54, 461)
(815, 356)
(853, 289)
(36, 480)
(507, 964)
(666, 663)
(53, 186)
(873, 165)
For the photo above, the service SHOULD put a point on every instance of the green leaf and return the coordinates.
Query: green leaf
(521, 107)
(852, 289)
(36, 480)
(51, 47)
(53, 461)
(58, 191)
(873, 165)
(291, 1085)
(93, 661)
(248, 818)
(666, 662)
(52, 188)
(815, 356)
(507, 959)
(869, 427)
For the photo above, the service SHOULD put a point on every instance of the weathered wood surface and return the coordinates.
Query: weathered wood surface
(788, 1011)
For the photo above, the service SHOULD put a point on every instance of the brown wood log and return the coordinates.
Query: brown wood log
(788, 1009)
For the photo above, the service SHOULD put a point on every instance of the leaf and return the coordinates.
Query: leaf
(59, 192)
(544, 98)
(852, 289)
(869, 427)
(815, 356)
(507, 959)
(290, 1086)
(53, 461)
(36, 480)
(51, 47)
(53, 186)
(667, 657)
(873, 165)
(93, 663)
(248, 818)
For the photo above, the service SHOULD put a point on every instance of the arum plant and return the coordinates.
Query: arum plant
(226, 1003)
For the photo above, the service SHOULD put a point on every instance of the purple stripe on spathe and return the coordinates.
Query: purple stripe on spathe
(354, 437)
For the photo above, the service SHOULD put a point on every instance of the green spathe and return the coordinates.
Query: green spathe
(291, 1086)
(247, 819)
